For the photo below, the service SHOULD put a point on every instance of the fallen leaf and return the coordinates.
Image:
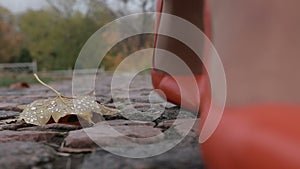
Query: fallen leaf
(21, 85)
(41, 111)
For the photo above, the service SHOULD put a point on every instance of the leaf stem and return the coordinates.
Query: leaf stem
(44, 84)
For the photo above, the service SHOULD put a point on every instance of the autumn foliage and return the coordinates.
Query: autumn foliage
(10, 38)
(54, 36)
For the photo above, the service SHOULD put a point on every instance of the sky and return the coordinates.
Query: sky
(17, 6)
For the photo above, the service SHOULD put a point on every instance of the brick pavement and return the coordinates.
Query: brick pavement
(69, 146)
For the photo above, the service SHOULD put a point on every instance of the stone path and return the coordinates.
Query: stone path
(62, 146)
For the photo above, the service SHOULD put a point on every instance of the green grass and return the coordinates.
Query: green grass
(6, 79)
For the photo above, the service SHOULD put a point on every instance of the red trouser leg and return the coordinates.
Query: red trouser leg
(253, 137)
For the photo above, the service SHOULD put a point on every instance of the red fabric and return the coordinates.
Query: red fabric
(255, 137)
(248, 137)
(252, 137)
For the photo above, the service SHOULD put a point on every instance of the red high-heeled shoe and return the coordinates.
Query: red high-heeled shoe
(186, 95)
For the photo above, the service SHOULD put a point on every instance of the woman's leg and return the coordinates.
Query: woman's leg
(191, 11)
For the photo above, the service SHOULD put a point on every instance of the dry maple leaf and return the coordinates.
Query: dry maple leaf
(41, 111)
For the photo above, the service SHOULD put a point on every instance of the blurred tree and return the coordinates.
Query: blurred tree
(24, 56)
(10, 38)
(98, 10)
(37, 27)
(126, 7)
(55, 36)
(5, 14)
(141, 23)
(63, 8)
